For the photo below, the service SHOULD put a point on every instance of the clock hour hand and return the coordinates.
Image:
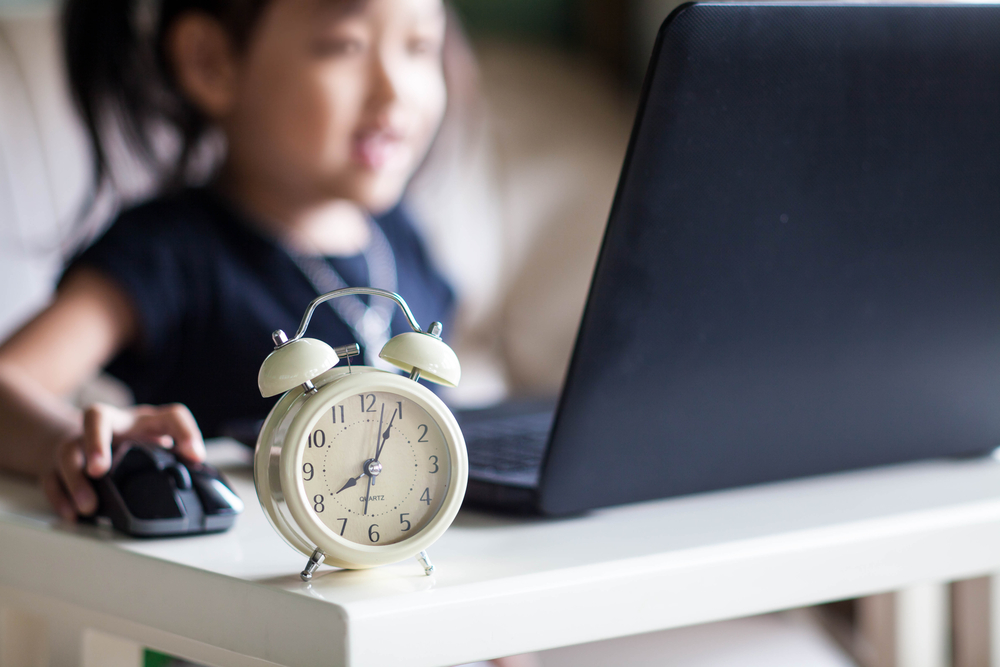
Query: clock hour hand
(351, 482)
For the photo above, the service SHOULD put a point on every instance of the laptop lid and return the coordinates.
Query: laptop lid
(801, 271)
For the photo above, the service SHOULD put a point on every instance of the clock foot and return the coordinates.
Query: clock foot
(424, 560)
(314, 562)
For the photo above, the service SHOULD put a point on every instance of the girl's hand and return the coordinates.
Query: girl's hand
(88, 456)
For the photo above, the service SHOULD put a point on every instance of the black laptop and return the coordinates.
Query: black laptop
(801, 270)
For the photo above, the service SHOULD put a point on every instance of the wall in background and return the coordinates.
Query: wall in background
(645, 19)
(618, 33)
(14, 7)
(43, 163)
(547, 20)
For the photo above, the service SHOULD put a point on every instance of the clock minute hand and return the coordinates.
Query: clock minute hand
(385, 434)
(378, 435)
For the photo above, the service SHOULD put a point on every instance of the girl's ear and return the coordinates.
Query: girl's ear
(204, 63)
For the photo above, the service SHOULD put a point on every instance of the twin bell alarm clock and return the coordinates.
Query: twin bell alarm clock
(357, 466)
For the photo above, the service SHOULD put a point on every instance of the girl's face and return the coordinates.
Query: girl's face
(337, 99)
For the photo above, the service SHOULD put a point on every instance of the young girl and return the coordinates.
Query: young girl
(325, 108)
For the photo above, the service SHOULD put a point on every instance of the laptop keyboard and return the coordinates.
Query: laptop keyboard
(507, 443)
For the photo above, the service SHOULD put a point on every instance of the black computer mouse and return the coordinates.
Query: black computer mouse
(151, 493)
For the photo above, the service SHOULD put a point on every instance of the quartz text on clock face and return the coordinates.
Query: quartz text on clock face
(375, 468)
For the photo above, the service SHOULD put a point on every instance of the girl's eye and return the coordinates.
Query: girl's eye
(339, 46)
(420, 46)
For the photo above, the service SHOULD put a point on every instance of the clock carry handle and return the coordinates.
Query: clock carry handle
(299, 360)
(357, 291)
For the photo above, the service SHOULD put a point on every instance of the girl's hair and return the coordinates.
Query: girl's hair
(122, 82)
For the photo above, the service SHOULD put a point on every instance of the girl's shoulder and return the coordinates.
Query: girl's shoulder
(169, 244)
(177, 218)
(190, 229)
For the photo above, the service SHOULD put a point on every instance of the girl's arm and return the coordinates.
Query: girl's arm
(89, 320)
(64, 346)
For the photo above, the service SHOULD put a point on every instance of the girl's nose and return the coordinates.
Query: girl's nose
(383, 91)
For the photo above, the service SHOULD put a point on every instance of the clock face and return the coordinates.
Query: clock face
(375, 468)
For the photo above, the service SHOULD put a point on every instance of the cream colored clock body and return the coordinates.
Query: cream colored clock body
(370, 468)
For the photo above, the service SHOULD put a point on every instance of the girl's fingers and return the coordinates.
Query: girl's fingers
(70, 462)
(100, 422)
(175, 421)
(57, 497)
(68, 487)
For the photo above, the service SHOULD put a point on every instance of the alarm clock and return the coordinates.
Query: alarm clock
(355, 466)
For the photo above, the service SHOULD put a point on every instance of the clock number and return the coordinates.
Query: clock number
(318, 503)
(402, 519)
(318, 438)
(400, 404)
(341, 413)
(426, 496)
(372, 533)
(343, 525)
(307, 469)
(423, 436)
(371, 403)
(434, 460)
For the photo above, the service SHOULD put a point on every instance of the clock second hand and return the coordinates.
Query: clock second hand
(377, 448)
(378, 442)
(368, 492)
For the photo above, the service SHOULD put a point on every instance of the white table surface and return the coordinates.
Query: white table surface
(510, 585)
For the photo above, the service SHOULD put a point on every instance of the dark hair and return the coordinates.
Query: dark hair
(122, 82)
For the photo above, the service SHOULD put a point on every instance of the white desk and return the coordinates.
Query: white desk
(503, 586)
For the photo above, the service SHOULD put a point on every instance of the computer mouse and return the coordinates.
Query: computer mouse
(151, 493)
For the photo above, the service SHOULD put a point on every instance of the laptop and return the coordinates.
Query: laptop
(801, 269)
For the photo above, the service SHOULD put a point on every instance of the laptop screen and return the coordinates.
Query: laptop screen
(801, 272)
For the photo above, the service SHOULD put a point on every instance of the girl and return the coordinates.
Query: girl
(325, 109)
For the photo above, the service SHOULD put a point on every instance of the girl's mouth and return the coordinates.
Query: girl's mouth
(378, 149)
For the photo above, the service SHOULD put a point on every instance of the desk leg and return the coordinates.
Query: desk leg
(909, 628)
(923, 626)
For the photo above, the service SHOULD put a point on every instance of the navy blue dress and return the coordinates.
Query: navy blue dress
(208, 290)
